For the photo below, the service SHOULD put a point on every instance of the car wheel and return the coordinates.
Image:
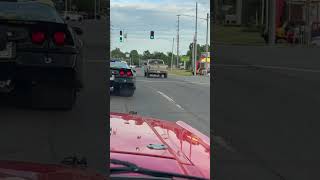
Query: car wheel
(165, 75)
(50, 97)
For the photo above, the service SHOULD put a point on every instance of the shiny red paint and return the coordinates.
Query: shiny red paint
(188, 150)
(36, 171)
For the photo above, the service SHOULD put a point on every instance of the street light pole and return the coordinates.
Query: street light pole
(207, 45)
(95, 9)
(195, 42)
(272, 22)
(178, 42)
(172, 53)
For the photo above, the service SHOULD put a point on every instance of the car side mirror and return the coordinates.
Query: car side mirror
(77, 30)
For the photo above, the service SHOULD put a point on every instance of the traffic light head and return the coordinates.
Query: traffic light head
(121, 39)
(120, 33)
(152, 35)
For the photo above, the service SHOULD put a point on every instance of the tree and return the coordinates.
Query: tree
(147, 54)
(116, 53)
(134, 56)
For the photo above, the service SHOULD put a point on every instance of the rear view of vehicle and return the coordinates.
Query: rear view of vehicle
(122, 78)
(40, 55)
(156, 67)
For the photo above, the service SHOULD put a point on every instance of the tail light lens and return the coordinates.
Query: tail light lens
(121, 73)
(59, 38)
(38, 37)
(129, 73)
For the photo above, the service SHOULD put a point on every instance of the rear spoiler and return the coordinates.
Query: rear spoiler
(203, 137)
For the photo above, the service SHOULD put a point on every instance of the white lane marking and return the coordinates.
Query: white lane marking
(170, 100)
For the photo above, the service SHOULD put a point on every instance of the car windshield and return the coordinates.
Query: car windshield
(29, 11)
(156, 61)
(118, 64)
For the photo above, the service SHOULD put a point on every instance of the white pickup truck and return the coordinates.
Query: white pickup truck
(155, 66)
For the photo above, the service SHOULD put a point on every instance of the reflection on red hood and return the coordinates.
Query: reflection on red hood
(13, 170)
(187, 152)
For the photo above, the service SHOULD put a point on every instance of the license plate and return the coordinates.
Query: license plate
(112, 78)
(8, 52)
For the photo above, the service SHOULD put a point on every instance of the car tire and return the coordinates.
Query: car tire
(52, 97)
(165, 75)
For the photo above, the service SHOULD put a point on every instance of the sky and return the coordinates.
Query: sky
(138, 17)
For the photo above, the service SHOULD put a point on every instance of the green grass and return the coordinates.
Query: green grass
(236, 35)
(179, 72)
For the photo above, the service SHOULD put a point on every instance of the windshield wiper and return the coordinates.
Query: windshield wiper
(133, 168)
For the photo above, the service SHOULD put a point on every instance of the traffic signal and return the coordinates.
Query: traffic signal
(152, 35)
(121, 38)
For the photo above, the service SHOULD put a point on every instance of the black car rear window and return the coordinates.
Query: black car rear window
(29, 11)
(118, 64)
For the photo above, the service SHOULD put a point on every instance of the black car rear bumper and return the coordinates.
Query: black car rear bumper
(119, 83)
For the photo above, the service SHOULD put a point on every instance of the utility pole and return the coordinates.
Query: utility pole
(95, 9)
(308, 24)
(178, 42)
(262, 11)
(195, 42)
(193, 64)
(207, 45)
(267, 15)
(172, 53)
(65, 7)
(272, 22)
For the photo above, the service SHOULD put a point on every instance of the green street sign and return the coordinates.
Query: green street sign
(185, 58)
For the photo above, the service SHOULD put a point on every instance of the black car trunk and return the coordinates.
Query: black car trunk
(33, 44)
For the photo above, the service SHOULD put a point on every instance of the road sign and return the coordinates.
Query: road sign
(185, 58)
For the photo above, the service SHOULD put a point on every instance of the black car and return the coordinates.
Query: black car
(122, 78)
(40, 55)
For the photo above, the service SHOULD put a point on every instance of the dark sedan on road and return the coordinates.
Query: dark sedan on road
(40, 55)
(122, 78)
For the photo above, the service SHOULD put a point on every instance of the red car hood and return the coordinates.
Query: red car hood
(13, 170)
(187, 151)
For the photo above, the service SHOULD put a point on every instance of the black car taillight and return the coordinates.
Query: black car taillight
(59, 38)
(38, 37)
(121, 73)
(129, 73)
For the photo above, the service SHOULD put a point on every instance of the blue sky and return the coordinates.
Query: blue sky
(138, 17)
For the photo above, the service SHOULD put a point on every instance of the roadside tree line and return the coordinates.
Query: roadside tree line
(166, 57)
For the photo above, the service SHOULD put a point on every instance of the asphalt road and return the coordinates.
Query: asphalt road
(175, 98)
(266, 119)
(49, 136)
